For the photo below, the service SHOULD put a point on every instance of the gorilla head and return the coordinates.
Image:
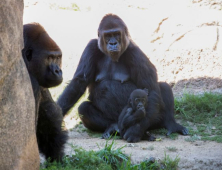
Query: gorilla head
(138, 99)
(113, 36)
(42, 56)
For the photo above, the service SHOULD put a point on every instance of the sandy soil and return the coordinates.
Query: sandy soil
(183, 40)
(195, 155)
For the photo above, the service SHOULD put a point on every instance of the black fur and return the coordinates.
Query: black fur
(42, 57)
(134, 111)
(112, 72)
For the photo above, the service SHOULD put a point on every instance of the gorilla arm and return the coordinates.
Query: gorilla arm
(131, 119)
(83, 76)
(127, 118)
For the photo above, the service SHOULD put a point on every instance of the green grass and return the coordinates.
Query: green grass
(111, 155)
(108, 158)
(172, 149)
(170, 164)
(202, 115)
(82, 160)
(161, 133)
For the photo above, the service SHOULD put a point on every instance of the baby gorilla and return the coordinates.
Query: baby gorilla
(135, 110)
(133, 113)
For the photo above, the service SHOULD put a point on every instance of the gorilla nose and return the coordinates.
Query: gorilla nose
(139, 105)
(57, 71)
(113, 43)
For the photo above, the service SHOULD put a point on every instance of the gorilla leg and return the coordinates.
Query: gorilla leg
(149, 137)
(93, 118)
(133, 134)
(50, 135)
(168, 118)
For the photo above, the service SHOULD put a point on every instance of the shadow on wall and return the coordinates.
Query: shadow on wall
(197, 86)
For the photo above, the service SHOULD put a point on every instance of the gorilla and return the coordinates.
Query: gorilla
(134, 112)
(42, 57)
(111, 67)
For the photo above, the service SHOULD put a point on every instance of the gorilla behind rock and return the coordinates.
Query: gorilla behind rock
(42, 57)
(112, 66)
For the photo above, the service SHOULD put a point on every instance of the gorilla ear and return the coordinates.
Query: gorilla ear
(28, 54)
(130, 102)
(146, 90)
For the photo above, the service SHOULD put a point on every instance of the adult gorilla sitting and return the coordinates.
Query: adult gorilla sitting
(112, 66)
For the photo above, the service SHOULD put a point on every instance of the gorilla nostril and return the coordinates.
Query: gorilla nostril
(57, 71)
(113, 43)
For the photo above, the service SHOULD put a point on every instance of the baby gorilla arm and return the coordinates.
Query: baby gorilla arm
(133, 118)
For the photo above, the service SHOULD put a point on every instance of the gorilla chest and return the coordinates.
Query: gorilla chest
(109, 70)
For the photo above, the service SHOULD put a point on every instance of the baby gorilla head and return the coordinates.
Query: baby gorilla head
(138, 99)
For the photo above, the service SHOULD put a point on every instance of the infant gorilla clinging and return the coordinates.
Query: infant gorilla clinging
(131, 115)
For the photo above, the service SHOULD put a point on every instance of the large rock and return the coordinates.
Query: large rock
(18, 145)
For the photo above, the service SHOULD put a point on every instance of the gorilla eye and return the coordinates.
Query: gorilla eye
(107, 39)
(136, 100)
(117, 34)
(144, 101)
(29, 54)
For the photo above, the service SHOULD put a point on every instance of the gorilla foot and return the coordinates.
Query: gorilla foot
(111, 130)
(132, 139)
(184, 131)
(148, 136)
(105, 135)
(179, 129)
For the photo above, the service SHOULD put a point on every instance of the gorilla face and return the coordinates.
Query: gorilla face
(42, 56)
(139, 99)
(113, 37)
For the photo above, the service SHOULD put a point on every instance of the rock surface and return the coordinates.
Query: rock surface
(18, 145)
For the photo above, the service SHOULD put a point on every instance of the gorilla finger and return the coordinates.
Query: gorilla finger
(125, 136)
(130, 140)
(185, 131)
(152, 138)
(133, 139)
(105, 136)
(169, 132)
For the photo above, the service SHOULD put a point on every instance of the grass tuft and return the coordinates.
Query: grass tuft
(169, 164)
(172, 149)
(112, 156)
(202, 115)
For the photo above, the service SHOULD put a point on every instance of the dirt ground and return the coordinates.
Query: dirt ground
(182, 38)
